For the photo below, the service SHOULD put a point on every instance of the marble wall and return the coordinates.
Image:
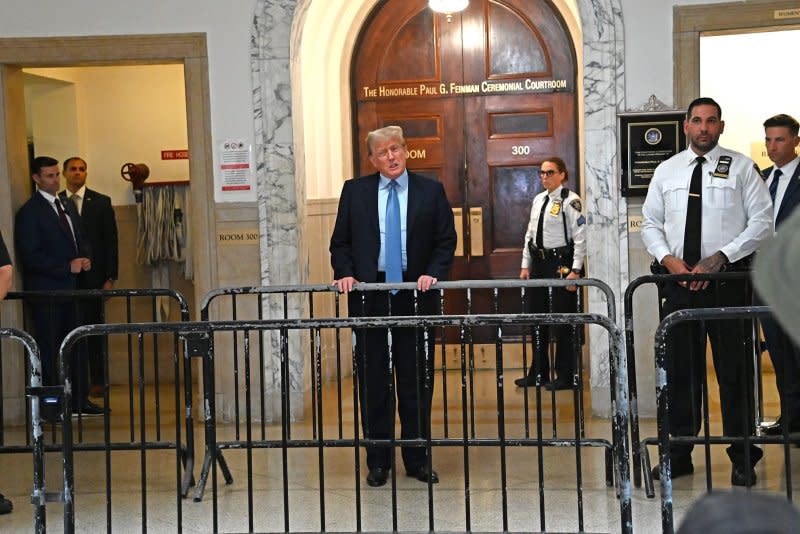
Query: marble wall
(281, 181)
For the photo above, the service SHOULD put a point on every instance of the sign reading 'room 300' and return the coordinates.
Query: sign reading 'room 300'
(528, 85)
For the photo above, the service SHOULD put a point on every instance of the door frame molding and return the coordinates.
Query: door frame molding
(690, 22)
(188, 49)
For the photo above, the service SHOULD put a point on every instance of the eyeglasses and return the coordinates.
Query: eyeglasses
(393, 150)
(548, 173)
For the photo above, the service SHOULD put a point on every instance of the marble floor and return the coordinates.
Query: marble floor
(465, 499)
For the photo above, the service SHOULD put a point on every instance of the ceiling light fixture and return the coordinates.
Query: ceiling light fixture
(448, 7)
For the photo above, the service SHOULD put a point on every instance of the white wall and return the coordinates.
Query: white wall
(747, 103)
(51, 114)
(124, 114)
(648, 48)
(227, 25)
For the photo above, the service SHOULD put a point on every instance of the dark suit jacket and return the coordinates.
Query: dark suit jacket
(430, 231)
(45, 249)
(791, 198)
(100, 228)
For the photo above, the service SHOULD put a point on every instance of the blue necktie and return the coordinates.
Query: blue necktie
(394, 246)
(773, 185)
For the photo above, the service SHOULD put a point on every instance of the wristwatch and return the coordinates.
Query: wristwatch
(579, 272)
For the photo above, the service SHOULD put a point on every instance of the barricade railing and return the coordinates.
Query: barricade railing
(35, 392)
(666, 441)
(487, 296)
(639, 448)
(134, 305)
(506, 437)
(143, 444)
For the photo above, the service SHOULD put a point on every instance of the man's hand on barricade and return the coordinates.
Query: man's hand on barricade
(572, 276)
(524, 274)
(425, 282)
(345, 285)
(675, 265)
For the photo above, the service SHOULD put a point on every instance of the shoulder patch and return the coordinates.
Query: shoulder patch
(581, 220)
(576, 204)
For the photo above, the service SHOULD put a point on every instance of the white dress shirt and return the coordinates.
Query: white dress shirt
(737, 210)
(52, 201)
(787, 173)
(77, 197)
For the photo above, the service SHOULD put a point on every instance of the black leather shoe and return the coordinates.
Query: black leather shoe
(740, 476)
(422, 474)
(377, 476)
(5, 505)
(776, 428)
(557, 385)
(89, 408)
(526, 381)
(679, 468)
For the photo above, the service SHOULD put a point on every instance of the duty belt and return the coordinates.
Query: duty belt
(551, 253)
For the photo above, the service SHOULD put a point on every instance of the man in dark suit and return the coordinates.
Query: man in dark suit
(53, 252)
(783, 180)
(100, 227)
(392, 226)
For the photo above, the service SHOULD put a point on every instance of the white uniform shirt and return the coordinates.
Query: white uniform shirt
(553, 226)
(737, 210)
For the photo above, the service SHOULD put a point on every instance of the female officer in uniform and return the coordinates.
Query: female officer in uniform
(555, 245)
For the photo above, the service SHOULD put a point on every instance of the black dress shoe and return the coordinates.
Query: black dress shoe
(526, 381)
(422, 474)
(5, 505)
(377, 476)
(679, 468)
(776, 428)
(740, 476)
(89, 408)
(558, 384)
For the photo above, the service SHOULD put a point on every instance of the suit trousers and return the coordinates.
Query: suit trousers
(413, 377)
(785, 358)
(733, 363)
(553, 300)
(52, 321)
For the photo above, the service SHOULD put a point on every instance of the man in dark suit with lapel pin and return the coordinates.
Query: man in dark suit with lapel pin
(393, 226)
(100, 227)
(53, 251)
(783, 180)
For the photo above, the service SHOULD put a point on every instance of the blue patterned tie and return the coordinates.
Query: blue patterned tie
(773, 185)
(394, 246)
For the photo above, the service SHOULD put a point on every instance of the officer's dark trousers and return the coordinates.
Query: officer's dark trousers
(733, 364)
(413, 391)
(553, 300)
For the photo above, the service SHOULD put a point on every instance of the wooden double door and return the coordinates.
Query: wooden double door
(482, 100)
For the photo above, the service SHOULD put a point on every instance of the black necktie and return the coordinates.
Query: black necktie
(773, 185)
(62, 218)
(692, 236)
(539, 226)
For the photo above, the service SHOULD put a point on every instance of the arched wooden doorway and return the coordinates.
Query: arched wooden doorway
(483, 100)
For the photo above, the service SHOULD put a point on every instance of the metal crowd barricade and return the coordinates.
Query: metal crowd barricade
(639, 449)
(35, 392)
(665, 441)
(319, 446)
(145, 446)
(107, 437)
(489, 296)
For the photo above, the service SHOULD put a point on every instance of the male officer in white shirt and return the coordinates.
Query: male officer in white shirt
(707, 209)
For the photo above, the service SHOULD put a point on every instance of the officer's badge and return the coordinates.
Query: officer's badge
(555, 209)
(723, 167)
(576, 204)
